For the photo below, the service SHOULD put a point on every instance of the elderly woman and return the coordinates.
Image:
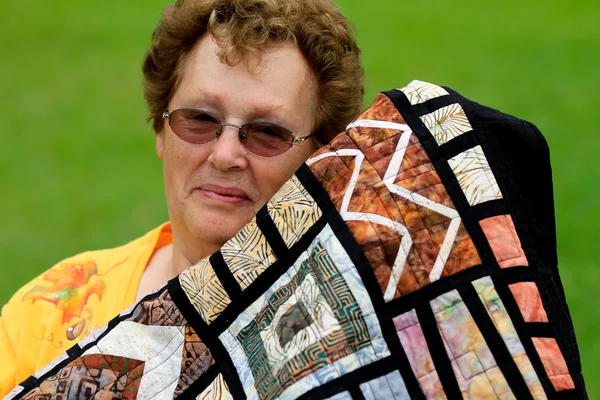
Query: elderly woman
(240, 94)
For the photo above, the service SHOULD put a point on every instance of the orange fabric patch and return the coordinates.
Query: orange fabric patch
(501, 234)
(529, 301)
(554, 363)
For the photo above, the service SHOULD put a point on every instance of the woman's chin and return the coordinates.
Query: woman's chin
(217, 228)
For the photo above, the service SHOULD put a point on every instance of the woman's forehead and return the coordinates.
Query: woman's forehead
(282, 83)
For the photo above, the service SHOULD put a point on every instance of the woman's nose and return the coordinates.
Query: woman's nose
(228, 152)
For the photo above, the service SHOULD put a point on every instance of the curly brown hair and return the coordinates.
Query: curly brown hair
(243, 29)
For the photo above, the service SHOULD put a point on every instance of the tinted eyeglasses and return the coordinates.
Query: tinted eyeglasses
(265, 139)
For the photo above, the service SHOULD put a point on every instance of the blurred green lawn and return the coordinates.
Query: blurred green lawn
(77, 160)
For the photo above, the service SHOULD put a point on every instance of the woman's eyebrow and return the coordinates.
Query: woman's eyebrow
(200, 97)
(270, 111)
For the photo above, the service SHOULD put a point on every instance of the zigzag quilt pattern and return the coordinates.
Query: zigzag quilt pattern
(413, 257)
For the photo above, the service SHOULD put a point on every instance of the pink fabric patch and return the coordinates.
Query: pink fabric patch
(501, 234)
(554, 363)
(529, 301)
(562, 382)
(411, 336)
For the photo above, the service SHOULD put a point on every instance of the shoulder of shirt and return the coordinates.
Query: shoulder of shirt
(103, 259)
(30, 318)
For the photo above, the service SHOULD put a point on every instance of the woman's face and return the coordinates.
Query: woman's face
(214, 189)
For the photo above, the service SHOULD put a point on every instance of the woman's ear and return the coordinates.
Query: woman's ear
(160, 144)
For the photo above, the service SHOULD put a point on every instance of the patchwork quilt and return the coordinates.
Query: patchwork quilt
(413, 257)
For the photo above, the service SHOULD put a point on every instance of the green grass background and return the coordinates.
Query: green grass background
(77, 163)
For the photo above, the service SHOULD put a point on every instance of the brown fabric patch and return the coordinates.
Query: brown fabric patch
(196, 359)
(426, 248)
(411, 173)
(329, 169)
(414, 156)
(410, 213)
(438, 233)
(365, 234)
(337, 188)
(388, 201)
(429, 217)
(343, 141)
(436, 192)
(95, 375)
(463, 253)
(381, 268)
(381, 154)
(366, 138)
(159, 311)
(427, 179)
(409, 279)
(382, 109)
(365, 198)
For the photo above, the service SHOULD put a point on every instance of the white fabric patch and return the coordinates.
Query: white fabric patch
(447, 123)
(390, 386)
(475, 176)
(160, 347)
(419, 92)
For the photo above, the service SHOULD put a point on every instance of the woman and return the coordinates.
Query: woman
(240, 94)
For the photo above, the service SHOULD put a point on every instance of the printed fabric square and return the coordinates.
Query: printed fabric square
(447, 123)
(475, 176)
(204, 290)
(419, 92)
(248, 254)
(313, 325)
(293, 211)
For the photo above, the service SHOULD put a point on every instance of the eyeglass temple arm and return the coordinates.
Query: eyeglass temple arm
(298, 139)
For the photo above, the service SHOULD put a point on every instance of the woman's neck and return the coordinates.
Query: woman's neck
(181, 260)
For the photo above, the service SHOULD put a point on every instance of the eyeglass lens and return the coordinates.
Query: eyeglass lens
(261, 138)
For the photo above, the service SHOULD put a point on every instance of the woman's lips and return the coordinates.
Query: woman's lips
(229, 195)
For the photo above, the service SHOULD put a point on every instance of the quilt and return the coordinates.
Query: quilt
(413, 257)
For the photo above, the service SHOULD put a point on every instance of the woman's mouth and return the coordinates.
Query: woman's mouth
(229, 195)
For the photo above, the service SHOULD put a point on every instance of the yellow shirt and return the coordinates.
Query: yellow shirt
(70, 300)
